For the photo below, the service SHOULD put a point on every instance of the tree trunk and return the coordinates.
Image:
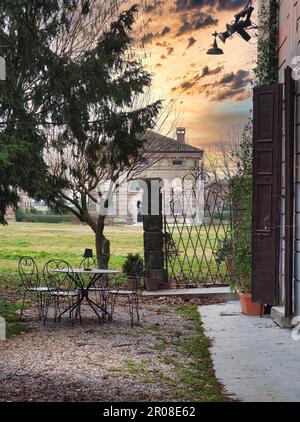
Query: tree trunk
(102, 244)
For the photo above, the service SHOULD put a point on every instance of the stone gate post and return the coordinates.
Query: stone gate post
(155, 273)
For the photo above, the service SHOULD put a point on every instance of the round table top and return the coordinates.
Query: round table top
(82, 271)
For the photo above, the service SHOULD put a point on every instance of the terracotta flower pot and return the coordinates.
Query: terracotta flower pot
(249, 307)
(132, 283)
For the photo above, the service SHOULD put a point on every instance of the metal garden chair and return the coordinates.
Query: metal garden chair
(105, 289)
(61, 290)
(31, 281)
(101, 285)
(132, 295)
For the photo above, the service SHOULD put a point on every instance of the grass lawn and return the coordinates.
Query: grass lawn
(9, 311)
(67, 241)
(49, 241)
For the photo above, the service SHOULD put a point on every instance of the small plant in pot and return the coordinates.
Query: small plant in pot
(224, 253)
(242, 282)
(133, 268)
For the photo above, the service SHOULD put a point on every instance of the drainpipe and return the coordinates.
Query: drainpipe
(297, 242)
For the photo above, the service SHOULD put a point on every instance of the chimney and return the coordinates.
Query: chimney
(181, 131)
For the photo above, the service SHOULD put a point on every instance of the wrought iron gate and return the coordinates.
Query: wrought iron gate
(198, 244)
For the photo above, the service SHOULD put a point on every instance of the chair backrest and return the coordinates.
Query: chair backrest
(28, 272)
(58, 281)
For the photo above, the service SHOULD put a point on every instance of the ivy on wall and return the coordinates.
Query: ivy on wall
(266, 69)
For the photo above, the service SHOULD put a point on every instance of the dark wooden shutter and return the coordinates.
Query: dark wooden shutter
(266, 193)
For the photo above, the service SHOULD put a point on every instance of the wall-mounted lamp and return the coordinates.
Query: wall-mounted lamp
(214, 50)
(240, 25)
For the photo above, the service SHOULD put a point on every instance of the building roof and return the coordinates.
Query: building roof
(160, 143)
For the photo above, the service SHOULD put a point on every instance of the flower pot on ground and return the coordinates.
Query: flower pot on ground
(133, 268)
(248, 307)
(133, 282)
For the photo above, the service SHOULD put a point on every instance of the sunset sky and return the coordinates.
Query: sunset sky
(212, 93)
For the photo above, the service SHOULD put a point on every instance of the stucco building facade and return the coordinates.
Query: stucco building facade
(166, 158)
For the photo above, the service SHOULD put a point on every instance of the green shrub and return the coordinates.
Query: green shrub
(42, 218)
(241, 196)
(133, 266)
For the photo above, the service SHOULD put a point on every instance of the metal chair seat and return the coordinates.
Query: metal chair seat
(38, 289)
(97, 289)
(64, 294)
(123, 292)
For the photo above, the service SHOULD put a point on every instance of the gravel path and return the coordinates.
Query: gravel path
(91, 362)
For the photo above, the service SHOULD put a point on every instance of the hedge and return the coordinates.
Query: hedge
(42, 218)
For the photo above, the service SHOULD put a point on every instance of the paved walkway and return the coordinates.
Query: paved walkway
(254, 359)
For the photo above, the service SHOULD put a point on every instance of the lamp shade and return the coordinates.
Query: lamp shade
(88, 253)
(215, 50)
(223, 36)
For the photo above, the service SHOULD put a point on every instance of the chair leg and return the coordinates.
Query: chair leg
(133, 302)
(40, 304)
(137, 309)
(23, 304)
(47, 303)
(57, 317)
(131, 309)
(112, 306)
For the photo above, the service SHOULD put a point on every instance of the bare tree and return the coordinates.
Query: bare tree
(106, 137)
(231, 157)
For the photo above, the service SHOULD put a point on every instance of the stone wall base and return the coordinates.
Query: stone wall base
(278, 316)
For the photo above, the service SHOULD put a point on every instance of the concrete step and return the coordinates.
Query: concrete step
(219, 293)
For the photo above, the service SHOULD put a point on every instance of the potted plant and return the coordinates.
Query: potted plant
(224, 253)
(133, 269)
(242, 282)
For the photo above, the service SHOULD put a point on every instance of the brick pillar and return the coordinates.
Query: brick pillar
(155, 276)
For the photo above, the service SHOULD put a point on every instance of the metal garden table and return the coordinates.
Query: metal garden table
(85, 286)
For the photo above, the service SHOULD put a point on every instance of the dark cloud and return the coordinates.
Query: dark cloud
(185, 27)
(230, 86)
(205, 20)
(206, 71)
(150, 36)
(162, 44)
(191, 4)
(219, 4)
(153, 7)
(237, 80)
(191, 42)
(196, 21)
(230, 4)
(165, 31)
(188, 84)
